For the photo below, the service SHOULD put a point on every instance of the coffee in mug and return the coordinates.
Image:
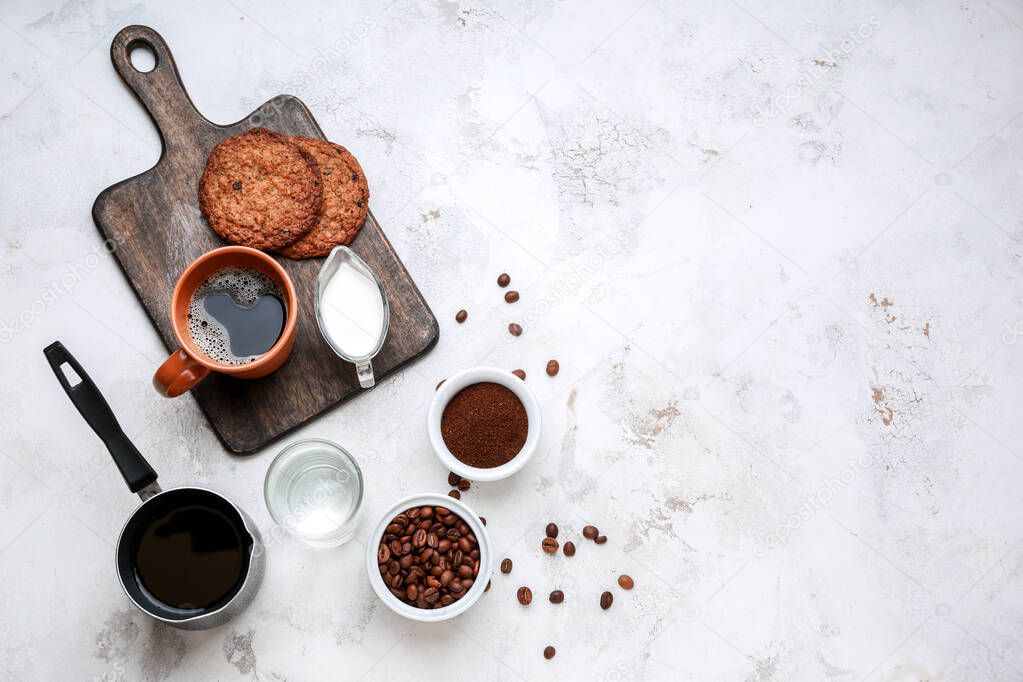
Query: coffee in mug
(236, 315)
(234, 311)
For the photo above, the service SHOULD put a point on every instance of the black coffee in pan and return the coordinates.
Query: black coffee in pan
(191, 557)
(236, 315)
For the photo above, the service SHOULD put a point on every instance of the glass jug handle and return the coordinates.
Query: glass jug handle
(364, 370)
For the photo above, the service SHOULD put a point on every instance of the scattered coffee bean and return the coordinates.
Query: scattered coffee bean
(525, 595)
(464, 485)
(557, 596)
(549, 651)
(605, 600)
(551, 530)
(553, 367)
(569, 548)
(511, 296)
(439, 383)
(483, 520)
(519, 373)
(549, 545)
(515, 329)
(506, 566)
(455, 494)
(626, 582)
(503, 279)
(453, 479)
(461, 316)
(590, 532)
(421, 569)
(600, 539)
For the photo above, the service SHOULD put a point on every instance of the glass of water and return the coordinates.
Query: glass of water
(313, 489)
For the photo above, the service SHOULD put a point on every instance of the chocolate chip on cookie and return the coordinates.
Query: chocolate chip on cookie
(345, 200)
(260, 189)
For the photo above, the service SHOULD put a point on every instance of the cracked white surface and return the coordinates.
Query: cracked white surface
(777, 250)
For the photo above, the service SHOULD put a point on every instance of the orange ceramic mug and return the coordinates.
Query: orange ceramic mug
(188, 365)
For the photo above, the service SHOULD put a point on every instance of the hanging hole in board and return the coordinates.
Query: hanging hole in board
(141, 56)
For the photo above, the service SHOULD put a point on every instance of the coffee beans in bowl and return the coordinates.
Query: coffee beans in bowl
(430, 558)
(484, 424)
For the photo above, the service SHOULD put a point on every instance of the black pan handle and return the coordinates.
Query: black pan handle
(94, 408)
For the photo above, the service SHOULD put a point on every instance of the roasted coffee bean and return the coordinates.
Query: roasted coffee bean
(549, 651)
(483, 520)
(421, 567)
(506, 566)
(461, 316)
(455, 494)
(453, 479)
(626, 582)
(590, 532)
(511, 296)
(519, 373)
(557, 596)
(552, 530)
(549, 545)
(569, 548)
(600, 539)
(553, 367)
(605, 600)
(524, 595)
(487, 588)
(503, 279)
(515, 329)
(464, 485)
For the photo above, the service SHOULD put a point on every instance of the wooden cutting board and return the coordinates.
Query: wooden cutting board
(157, 229)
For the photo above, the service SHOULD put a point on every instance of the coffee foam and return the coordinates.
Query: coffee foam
(243, 285)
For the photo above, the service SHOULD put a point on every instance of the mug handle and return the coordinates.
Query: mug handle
(178, 374)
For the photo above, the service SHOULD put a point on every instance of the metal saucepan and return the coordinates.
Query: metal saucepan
(191, 546)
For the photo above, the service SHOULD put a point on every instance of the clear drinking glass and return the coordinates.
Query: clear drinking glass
(313, 489)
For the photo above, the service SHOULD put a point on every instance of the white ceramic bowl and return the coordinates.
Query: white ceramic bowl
(445, 612)
(455, 384)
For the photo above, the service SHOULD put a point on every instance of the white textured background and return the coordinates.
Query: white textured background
(776, 246)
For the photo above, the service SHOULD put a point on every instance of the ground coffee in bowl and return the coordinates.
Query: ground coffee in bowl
(484, 425)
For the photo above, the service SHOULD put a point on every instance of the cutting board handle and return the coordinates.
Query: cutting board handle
(160, 90)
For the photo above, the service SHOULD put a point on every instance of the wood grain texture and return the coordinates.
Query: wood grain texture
(154, 222)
